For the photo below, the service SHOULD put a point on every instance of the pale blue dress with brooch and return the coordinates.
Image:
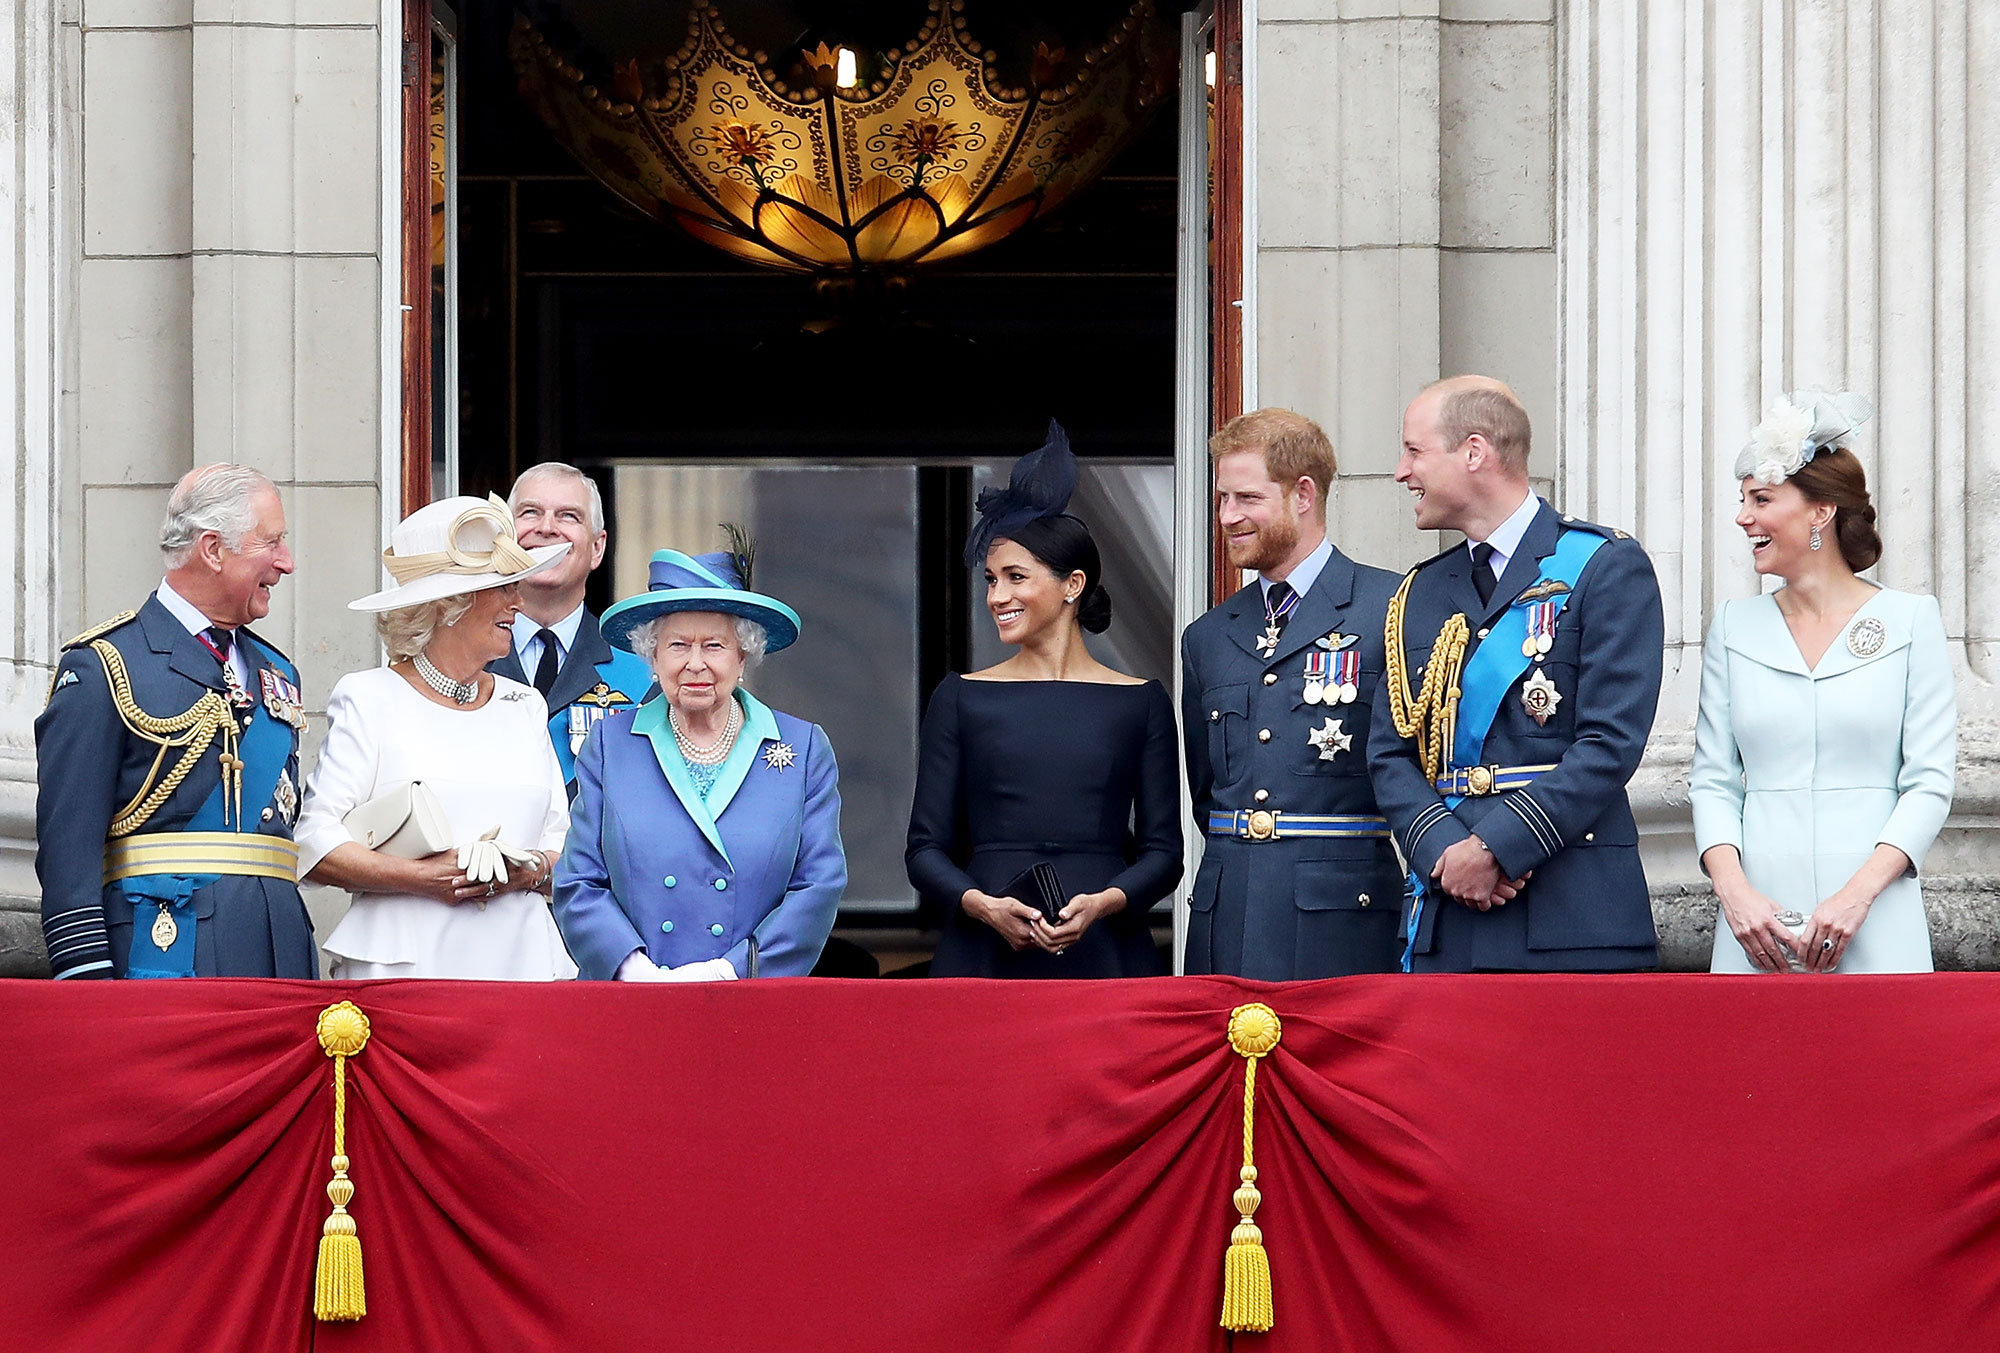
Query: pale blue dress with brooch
(1806, 770)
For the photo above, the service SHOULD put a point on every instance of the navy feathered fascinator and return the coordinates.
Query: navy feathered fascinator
(1040, 486)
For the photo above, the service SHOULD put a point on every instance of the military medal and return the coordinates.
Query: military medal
(1315, 677)
(1346, 685)
(1328, 740)
(165, 932)
(580, 720)
(1540, 697)
(1274, 618)
(286, 796)
(281, 698)
(779, 755)
(1541, 631)
(1866, 637)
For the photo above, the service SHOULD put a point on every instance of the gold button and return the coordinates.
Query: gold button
(1214, 715)
(1590, 836)
(1263, 735)
(267, 815)
(1483, 633)
(1270, 678)
(1261, 795)
(1363, 899)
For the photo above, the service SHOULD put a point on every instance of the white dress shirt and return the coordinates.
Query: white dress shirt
(1506, 537)
(1300, 579)
(528, 644)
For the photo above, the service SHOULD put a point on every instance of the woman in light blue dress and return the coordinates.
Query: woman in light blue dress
(1827, 738)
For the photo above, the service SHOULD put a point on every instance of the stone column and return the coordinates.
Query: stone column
(1760, 197)
(37, 224)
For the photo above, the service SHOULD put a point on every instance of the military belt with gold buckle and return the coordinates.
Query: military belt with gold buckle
(251, 853)
(1473, 782)
(1269, 824)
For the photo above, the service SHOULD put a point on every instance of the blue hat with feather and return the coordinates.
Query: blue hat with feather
(718, 582)
(1040, 486)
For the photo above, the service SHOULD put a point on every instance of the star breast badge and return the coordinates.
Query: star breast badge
(1328, 738)
(779, 755)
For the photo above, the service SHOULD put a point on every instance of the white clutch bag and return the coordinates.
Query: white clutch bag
(407, 822)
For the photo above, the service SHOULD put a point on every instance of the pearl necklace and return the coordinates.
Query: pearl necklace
(460, 692)
(715, 753)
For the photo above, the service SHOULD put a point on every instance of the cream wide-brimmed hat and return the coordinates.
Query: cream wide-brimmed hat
(452, 547)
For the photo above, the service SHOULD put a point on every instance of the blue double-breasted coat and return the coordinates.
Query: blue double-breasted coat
(652, 865)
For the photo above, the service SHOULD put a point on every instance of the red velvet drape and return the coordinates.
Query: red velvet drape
(1487, 1163)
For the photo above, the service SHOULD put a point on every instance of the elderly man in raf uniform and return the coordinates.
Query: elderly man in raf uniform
(1298, 878)
(557, 646)
(169, 767)
(1524, 670)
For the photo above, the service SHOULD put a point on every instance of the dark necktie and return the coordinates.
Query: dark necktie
(1278, 604)
(1482, 571)
(545, 670)
(220, 641)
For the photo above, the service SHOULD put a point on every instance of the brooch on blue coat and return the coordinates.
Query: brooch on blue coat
(779, 755)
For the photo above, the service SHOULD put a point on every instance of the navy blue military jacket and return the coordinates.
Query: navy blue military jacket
(90, 767)
(1573, 826)
(1294, 907)
(594, 679)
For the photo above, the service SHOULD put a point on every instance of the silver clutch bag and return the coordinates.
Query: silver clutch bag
(407, 822)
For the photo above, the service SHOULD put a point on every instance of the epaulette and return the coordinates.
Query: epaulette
(1570, 523)
(99, 631)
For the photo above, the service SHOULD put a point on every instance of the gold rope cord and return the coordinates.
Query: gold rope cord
(195, 729)
(1431, 716)
(338, 1290)
(1254, 1031)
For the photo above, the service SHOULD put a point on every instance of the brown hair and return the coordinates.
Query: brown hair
(1834, 476)
(1293, 446)
(1488, 410)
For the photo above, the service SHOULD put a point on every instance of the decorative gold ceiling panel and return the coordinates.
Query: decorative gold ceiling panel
(933, 157)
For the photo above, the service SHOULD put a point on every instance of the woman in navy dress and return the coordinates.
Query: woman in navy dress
(1050, 757)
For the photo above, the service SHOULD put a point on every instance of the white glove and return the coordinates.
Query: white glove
(711, 970)
(638, 967)
(481, 861)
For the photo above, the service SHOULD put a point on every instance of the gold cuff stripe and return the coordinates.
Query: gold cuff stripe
(202, 853)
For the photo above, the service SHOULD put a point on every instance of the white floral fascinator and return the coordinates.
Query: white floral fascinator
(1798, 427)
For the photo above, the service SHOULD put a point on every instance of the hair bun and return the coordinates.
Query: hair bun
(1093, 612)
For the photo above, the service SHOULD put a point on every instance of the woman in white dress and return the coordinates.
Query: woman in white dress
(479, 742)
(1827, 737)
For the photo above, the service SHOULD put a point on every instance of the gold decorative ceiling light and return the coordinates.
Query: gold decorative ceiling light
(875, 161)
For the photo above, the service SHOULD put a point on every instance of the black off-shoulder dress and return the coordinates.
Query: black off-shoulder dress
(1086, 776)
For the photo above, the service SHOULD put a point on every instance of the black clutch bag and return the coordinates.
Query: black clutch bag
(1040, 888)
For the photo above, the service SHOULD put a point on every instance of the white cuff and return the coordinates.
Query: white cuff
(637, 967)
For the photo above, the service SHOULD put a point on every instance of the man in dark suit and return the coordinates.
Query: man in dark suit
(557, 647)
(1524, 670)
(1298, 878)
(168, 761)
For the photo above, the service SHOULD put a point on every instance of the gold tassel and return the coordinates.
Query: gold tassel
(338, 1291)
(1246, 1269)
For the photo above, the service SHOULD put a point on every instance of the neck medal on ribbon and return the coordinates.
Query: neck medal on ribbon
(1539, 695)
(1274, 623)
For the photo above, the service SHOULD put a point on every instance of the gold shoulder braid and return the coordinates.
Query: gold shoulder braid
(1431, 716)
(194, 730)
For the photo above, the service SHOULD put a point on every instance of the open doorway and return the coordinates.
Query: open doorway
(848, 427)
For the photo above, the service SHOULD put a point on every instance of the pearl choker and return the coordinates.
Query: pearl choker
(715, 753)
(459, 692)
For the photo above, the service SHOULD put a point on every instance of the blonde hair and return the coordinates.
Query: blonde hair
(408, 630)
(1294, 447)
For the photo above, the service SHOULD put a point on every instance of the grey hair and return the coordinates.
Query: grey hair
(751, 638)
(408, 630)
(555, 469)
(218, 498)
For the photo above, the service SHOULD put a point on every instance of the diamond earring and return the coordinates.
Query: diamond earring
(1813, 541)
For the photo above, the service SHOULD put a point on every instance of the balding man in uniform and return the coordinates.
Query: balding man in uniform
(168, 762)
(1523, 674)
(557, 647)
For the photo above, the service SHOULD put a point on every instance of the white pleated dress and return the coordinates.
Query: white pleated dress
(491, 766)
(1805, 771)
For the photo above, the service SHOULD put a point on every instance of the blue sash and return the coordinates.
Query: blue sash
(266, 749)
(1489, 674)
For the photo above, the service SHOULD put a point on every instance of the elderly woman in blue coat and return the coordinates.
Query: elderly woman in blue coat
(704, 841)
